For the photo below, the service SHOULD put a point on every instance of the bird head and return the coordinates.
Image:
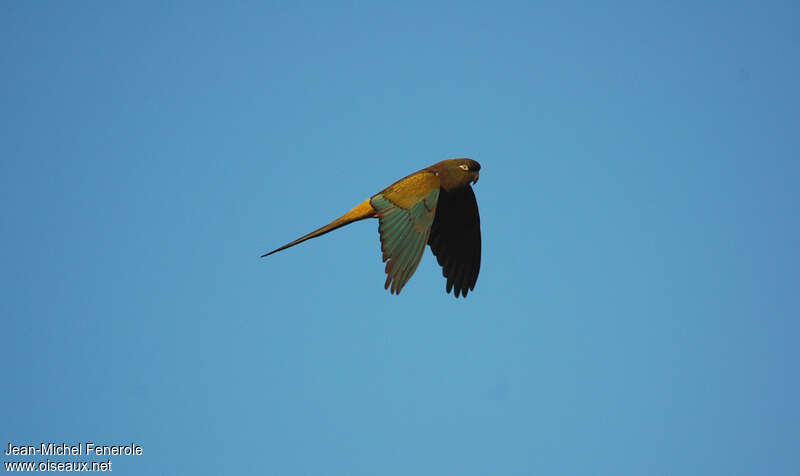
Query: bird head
(456, 173)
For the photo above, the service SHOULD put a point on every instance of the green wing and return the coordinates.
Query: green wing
(404, 234)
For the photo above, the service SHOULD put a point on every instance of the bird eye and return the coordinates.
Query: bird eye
(464, 167)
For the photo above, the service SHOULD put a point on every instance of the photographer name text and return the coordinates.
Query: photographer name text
(64, 449)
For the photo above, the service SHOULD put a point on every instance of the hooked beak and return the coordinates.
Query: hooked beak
(475, 177)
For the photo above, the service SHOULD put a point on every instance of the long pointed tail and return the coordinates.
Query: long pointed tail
(360, 212)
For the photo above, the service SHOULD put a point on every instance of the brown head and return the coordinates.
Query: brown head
(456, 173)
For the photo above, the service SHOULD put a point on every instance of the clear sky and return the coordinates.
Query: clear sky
(637, 307)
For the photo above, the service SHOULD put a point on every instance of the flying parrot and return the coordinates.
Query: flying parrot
(435, 206)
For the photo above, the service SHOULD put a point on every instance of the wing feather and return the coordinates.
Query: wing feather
(404, 233)
(455, 239)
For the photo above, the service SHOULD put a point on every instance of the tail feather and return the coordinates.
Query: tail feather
(360, 212)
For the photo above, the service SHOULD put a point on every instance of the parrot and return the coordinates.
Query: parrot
(435, 205)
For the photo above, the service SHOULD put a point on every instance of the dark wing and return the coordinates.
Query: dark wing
(456, 239)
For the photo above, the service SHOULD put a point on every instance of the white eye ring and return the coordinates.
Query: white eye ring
(464, 167)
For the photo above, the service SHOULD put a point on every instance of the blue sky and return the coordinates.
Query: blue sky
(637, 307)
